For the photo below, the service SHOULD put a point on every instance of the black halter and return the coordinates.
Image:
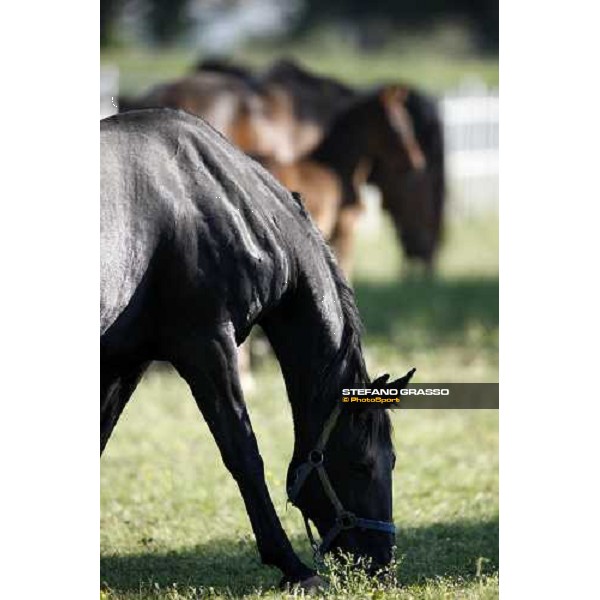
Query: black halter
(344, 519)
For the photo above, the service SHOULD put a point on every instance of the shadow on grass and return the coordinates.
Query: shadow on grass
(460, 550)
(430, 309)
(452, 550)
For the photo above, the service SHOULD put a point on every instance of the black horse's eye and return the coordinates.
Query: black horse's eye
(362, 469)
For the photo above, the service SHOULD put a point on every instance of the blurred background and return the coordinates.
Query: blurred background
(443, 320)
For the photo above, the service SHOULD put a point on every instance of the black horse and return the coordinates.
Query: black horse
(200, 243)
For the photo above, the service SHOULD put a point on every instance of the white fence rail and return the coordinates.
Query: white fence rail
(471, 139)
(109, 91)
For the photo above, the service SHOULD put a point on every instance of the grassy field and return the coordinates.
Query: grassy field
(428, 65)
(173, 525)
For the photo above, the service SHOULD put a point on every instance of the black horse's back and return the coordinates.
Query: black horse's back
(179, 199)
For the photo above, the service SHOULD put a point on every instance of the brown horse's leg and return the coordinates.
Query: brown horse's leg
(344, 236)
(117, 384)
(209, 365)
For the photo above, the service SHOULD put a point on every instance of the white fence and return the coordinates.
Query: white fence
(471, 139)
(109, 91)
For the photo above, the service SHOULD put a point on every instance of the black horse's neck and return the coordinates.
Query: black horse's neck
(315, 335)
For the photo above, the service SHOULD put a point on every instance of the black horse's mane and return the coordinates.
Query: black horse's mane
(368, 425)
(353, 325)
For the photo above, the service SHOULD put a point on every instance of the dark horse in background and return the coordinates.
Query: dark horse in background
(282, 114)
(413, 197)
(199, 244)
(372, 128)
(415, 201)
(257, 117)
(231, 105)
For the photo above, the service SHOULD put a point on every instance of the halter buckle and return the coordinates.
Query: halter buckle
(315, 458)
(346, 520)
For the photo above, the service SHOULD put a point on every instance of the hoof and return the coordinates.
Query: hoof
(310, 585)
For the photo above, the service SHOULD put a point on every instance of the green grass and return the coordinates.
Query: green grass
(448, 326)
(173, 525)
(432, 67)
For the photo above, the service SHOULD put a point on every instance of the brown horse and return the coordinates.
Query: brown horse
(329, 178)
(255, 118)
(320, 188)
(297, 131)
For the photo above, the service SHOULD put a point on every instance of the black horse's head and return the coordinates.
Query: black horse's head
(344, 483)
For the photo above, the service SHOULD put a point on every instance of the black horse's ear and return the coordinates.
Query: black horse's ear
(380, 381)
(401, 383)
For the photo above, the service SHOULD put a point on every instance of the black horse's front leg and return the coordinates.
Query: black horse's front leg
(210, 368)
